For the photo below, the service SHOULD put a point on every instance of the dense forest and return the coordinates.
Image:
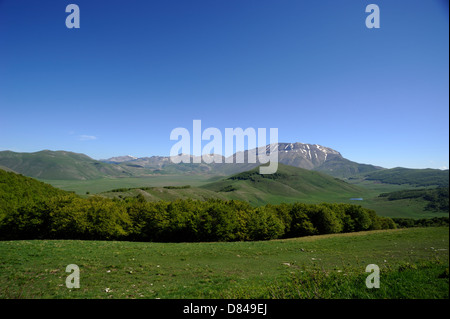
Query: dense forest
(34, 210)
(72, 217)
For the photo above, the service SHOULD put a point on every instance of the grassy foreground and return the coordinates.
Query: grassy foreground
(413, 264)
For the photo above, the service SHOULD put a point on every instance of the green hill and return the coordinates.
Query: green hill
(61, 165)
(288, 184)
(415, 177)
(168, 193)
(17, 190)
(436, 199)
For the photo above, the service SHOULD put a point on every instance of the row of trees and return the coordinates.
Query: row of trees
(71, 217)
(422, 222)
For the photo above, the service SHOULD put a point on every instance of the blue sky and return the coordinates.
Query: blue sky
(135, 70)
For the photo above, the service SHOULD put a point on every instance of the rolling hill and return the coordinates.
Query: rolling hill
(436, 199)
(167, 193)
(343, 168)
(415, 177)
(289, 184)
(62, 165)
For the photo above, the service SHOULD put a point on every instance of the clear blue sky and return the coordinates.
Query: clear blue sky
(135, 70)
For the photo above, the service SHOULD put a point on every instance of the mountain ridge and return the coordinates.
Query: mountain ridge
(302, 155)
(66, 165)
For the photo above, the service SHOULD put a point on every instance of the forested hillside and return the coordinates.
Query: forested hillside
(17, 191)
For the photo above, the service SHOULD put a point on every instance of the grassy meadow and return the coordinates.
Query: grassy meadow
(403, 208)
(413, 264)
(81, 187)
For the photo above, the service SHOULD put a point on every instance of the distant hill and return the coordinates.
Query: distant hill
(119, 159)
(344, 168)
(6, 169)
(61, 165)
(415, 177)
(289, 184)
(170, 193)
(436, 199)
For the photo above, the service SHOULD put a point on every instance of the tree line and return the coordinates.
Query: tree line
(422, 222)
(98, 218)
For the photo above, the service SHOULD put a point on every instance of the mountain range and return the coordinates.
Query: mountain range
(307, 156)
(64, 165)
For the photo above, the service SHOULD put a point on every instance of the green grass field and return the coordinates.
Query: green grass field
(405, 208)
(106, 184)
(413, 264)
